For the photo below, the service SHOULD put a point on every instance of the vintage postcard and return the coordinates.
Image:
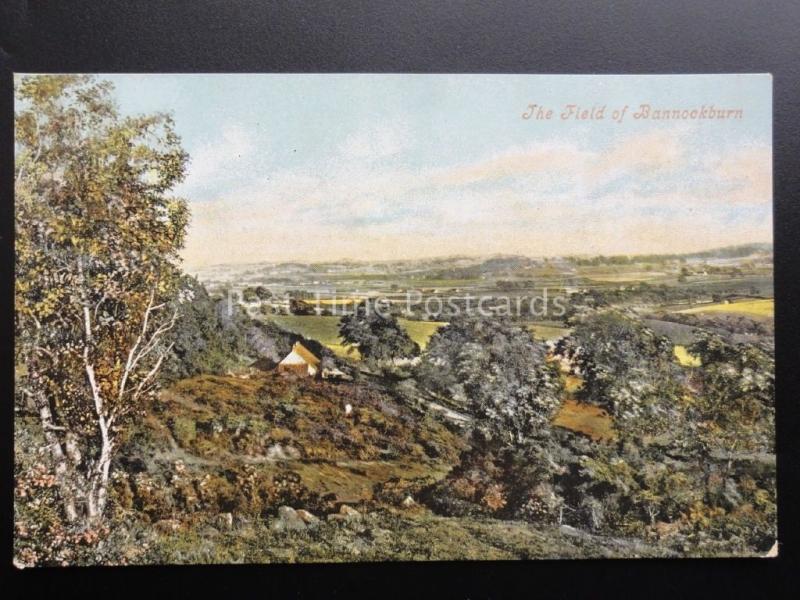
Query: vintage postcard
(361, 317)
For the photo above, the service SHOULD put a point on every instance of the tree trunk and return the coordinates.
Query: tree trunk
(98, 491)
(63, 469)
(76, 488)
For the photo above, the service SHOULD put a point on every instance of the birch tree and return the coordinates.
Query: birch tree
(97, 240)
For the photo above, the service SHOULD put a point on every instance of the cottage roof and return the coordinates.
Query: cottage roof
(301, 351)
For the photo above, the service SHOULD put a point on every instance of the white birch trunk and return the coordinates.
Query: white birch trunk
(63, 470)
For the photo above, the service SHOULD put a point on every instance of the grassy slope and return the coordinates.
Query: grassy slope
(548, 332)
(219, 422)
(385, 536)
(324, 329)
(338, 454)
(583, 418)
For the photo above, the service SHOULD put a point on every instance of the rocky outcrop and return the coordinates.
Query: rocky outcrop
(288, 520)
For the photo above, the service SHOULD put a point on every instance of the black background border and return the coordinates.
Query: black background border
(568, 36)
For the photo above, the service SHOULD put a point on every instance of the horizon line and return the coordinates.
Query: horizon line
(342, 260)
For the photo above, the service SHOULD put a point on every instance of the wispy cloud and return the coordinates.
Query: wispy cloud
(219, 160)
(375, 141)
(744, 176)
(649, 192)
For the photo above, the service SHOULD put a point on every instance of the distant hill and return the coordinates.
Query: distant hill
(461, 267)
(738, 251)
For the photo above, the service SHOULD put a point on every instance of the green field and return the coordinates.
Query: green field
(325, 329)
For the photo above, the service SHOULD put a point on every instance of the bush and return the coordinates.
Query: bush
(184, 430)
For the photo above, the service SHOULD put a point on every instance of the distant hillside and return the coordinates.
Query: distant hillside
(738, 251)
(489, 264)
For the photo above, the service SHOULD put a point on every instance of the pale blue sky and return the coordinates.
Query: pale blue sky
(322, 167)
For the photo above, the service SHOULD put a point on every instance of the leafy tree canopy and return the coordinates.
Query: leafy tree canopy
(377, 336)
(498, 371)
(202, 341)
(97, 247)
(735, 402)
(625, 367)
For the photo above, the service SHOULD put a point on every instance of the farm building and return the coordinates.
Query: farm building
(300, 361)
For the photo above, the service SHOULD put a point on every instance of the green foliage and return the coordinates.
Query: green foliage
(736, 396)
(627, 369)
(97, 242)
(184, 430)
(378, 336)
(203, 342)
(498, 372)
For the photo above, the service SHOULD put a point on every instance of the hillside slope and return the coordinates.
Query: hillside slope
(217, 457)
(269, 425)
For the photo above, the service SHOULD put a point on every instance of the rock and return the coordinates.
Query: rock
(225, 521)
(730, 495)
(286, 512)
(167, 525)
(357, 547)
(287, 520)
(335, 374)
(346, 514)
(241, 520)
(572, 531)
(279, 452)
(348, 511)
(307, 517)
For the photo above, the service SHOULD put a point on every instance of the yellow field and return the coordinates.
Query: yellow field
(684, 358)
(572, 383)
(582, 417)
(548, 332)
(335, 301)
(344, 351)
(753, 308)
(625, 277)
(421, 331)
(585, 418)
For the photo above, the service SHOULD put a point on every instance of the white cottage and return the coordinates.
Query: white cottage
(300, 361)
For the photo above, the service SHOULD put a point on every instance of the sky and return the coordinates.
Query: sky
(323, 167)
